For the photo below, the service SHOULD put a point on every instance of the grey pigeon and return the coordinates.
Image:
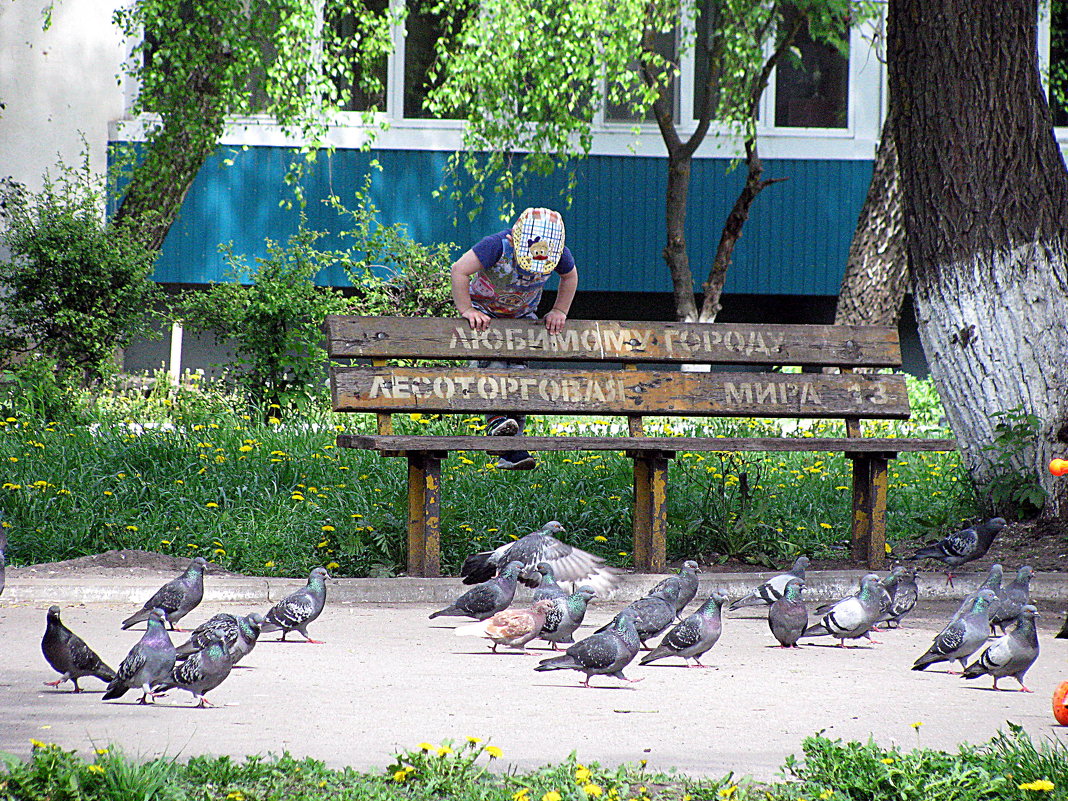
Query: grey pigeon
(571, 565)
(1011, 654)
(687, 581)
(298, 609)
(771, 589)
(962, 637)
(903, 596)
(511, 627)
(692, 637)
(992, 582)
(566, 616)
(147, 664)
(239, 635)
(204, 670)
(851, 617)
(543, 580)
(1013, 597)
(68, 654)
(177, 598)
(1063, 633)
(787, 616)
(963, 546)
(486, 599)
(652, 614)
(602, 653)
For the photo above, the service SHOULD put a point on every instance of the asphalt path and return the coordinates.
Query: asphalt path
(387, 679)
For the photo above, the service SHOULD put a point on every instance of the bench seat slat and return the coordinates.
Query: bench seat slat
(417, 443)
(603, 392)
(614, 340)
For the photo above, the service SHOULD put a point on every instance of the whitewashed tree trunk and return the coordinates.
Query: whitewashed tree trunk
(985, 194)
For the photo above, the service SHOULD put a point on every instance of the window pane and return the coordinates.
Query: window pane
(664, 44)
(422, 31)
(1058, 62)
(361, 87)
(700, 56)
(815, 92)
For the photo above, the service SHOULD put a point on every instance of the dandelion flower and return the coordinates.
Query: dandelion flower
(494, 752)
(95, 769)
(592, 790)
(1038, 785)
(552, 795)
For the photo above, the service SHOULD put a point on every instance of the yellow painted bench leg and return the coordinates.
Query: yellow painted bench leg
(870, 482)
(424, 514)
(650, 513)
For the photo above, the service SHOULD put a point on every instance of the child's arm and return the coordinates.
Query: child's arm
(461, 272)
(556, 318)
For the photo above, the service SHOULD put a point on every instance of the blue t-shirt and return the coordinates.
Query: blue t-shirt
(502, 289)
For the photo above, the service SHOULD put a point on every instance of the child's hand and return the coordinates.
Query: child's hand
(479, 321)
(555, 321)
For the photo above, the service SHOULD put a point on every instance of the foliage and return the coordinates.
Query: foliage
(273, 313)
(175, 470)
(1013, 488)
(77, 285)
(396, 275)
(35, 389)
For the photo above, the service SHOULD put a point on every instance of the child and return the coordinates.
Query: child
(503, 276)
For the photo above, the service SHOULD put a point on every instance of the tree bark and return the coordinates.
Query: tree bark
(985, 195)
(876, 275)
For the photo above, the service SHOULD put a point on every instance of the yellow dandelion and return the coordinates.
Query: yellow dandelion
(887, 761)
(474, 740)
(245, 448)
(494, 752)
(332, 565)
(444, 751)
(132, 528)
(212, 505)
(521, 795)
(600, 538)
(101, 751)
(426, 747)
(592, 790)
(95, 769)
(582, 774)
(1038, 785)
(552, 795)
(728, 792)
(268, 564)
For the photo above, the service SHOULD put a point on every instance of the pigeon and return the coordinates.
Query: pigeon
(1010, 654)
(787, 616)
(961, 637)
(1013, 597)
(1063, 633)
(148, 663)
(992, 582)
(964, 546)
(903, 595)
(486, 599)
(771, 589)
(692, 637)
(602, 653)
(511, 627)
(68, 654)
(851, 617)
(565, 616)
(542, 579)
(177, 598)
(571, 565)
(687, 581)
(239, 635)
(202, 671)
(298, 609)
(652, 614)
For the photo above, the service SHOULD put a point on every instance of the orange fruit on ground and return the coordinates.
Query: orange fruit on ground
(1060, 711)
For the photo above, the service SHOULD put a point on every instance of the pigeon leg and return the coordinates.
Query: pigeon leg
(204, 703)
(1023, 687)
(55, 683)
(77, 689)
(949, 577)
(697, 663)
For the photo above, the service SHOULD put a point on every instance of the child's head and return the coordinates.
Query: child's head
(538, 240)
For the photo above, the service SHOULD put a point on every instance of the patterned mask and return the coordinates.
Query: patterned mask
(538, 240)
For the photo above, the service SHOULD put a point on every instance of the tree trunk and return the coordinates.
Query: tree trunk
(985, 195)
(675, 254)
(876, 274)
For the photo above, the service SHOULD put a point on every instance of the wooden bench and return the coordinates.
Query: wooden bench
(629, 369)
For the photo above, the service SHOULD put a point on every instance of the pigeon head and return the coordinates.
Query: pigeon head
(983, 599)
(512, 569)
(53, 613)
(586, 592)
(198, 563)
(318, 573)
(793, 589)
(690, 564)
(1025, 573)
(553, 527)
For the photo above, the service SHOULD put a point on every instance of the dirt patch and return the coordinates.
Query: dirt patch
(147, 562)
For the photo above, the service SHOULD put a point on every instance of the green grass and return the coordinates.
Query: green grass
(184, 475)
(1011, 767)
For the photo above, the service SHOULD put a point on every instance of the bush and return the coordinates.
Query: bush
(77, 287)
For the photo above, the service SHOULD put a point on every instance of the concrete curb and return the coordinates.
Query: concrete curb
(1048, 588)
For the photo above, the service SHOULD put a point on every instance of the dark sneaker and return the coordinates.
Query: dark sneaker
(517, 460)
(502, 427)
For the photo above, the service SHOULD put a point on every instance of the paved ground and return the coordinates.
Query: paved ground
(388, 678)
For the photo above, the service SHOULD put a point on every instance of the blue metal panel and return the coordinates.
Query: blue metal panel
(795, 241)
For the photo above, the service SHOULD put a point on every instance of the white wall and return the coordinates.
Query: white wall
(57, 85)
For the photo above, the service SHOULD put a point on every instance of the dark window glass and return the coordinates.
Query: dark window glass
(703, 40)
(361, 87)
(422, 30)
(813, 91)
(665, 45)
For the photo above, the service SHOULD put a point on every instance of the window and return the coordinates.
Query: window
(363, 87)
(665, 44)
(812, 91)
(1058, 61)
(422, 29)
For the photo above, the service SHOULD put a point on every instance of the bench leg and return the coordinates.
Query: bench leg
(869, 510)
(650, 513)
(424, 514)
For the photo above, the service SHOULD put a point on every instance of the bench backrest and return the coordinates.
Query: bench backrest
(638, 389)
